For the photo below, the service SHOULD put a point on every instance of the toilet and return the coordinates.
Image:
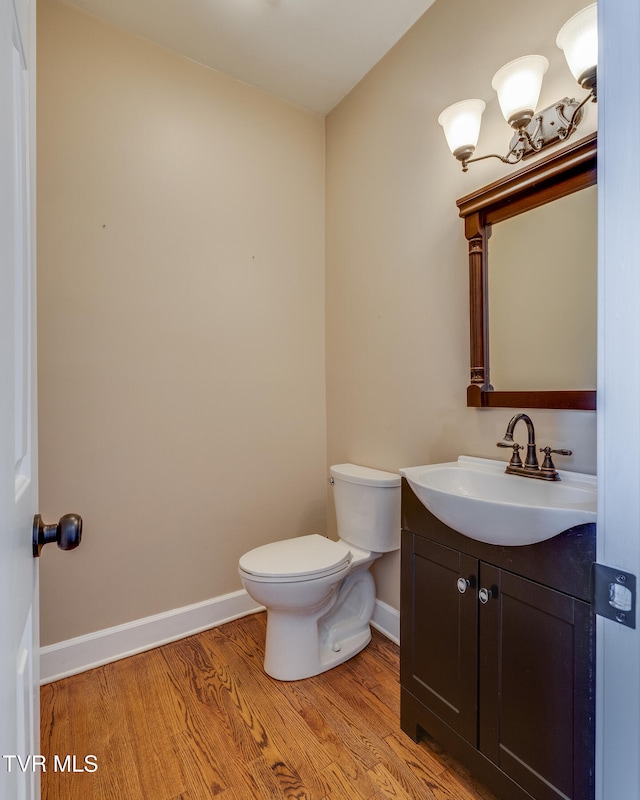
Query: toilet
(319, 593)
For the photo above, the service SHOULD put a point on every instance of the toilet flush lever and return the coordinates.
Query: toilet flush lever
(332, 480)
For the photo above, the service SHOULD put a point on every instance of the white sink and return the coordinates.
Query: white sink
(475, 497)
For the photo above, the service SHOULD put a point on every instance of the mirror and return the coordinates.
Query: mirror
(547, 293)
(532, 281)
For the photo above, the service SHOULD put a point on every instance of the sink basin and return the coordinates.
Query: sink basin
(475, 497)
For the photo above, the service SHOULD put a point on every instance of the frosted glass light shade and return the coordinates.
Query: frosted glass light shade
(461, 123)
(578, 39)
(518, 86)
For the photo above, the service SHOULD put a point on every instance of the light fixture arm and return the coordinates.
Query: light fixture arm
(505, 159)
(517, 150)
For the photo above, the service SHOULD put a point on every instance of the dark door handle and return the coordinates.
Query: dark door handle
(67, 533)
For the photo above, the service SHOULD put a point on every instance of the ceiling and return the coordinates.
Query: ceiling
(310, 52)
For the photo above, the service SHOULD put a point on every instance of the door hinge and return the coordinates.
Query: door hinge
(614, 594)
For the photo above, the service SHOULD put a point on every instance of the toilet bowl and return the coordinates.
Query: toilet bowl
(319, 593)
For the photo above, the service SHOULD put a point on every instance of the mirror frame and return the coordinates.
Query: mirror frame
(559, 174)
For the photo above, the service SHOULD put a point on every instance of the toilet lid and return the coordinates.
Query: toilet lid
(303, 556)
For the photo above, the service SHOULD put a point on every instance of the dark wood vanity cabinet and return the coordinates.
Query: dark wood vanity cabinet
(505, 685)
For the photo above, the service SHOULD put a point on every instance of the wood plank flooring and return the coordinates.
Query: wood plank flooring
(199, 719)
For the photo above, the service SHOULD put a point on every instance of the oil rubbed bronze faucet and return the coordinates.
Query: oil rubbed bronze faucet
(530, 468)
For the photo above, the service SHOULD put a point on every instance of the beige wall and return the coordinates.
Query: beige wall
(181, 323)
(396, 256)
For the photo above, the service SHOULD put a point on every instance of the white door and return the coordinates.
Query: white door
(19, 675)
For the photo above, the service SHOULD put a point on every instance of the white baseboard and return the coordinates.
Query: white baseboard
(102, 647)
(110, 644)
(386, 619)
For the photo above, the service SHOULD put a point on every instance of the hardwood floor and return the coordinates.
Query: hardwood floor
(199, 719)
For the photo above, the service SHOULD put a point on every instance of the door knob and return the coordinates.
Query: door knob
(67, 533)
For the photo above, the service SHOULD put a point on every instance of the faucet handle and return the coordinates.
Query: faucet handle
(548, 465)
(516, 461)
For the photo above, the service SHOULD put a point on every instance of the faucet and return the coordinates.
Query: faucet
(530, 468)
(531, 461)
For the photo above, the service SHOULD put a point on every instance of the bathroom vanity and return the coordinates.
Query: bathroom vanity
(497, 654)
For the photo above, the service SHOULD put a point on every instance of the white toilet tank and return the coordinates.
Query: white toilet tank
(367, 507)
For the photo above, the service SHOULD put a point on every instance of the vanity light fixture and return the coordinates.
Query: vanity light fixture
(518, 86)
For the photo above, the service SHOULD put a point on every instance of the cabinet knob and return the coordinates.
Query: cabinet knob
(484, 595)
(463, 584)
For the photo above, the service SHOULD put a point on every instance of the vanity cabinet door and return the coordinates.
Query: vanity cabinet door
(439, 621)
(536, 685)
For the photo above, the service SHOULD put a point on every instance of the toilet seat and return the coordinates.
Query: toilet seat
(301, 559)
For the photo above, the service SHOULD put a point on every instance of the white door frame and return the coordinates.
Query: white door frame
(618, 647)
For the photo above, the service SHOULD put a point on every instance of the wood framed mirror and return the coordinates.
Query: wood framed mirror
(557, 176)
